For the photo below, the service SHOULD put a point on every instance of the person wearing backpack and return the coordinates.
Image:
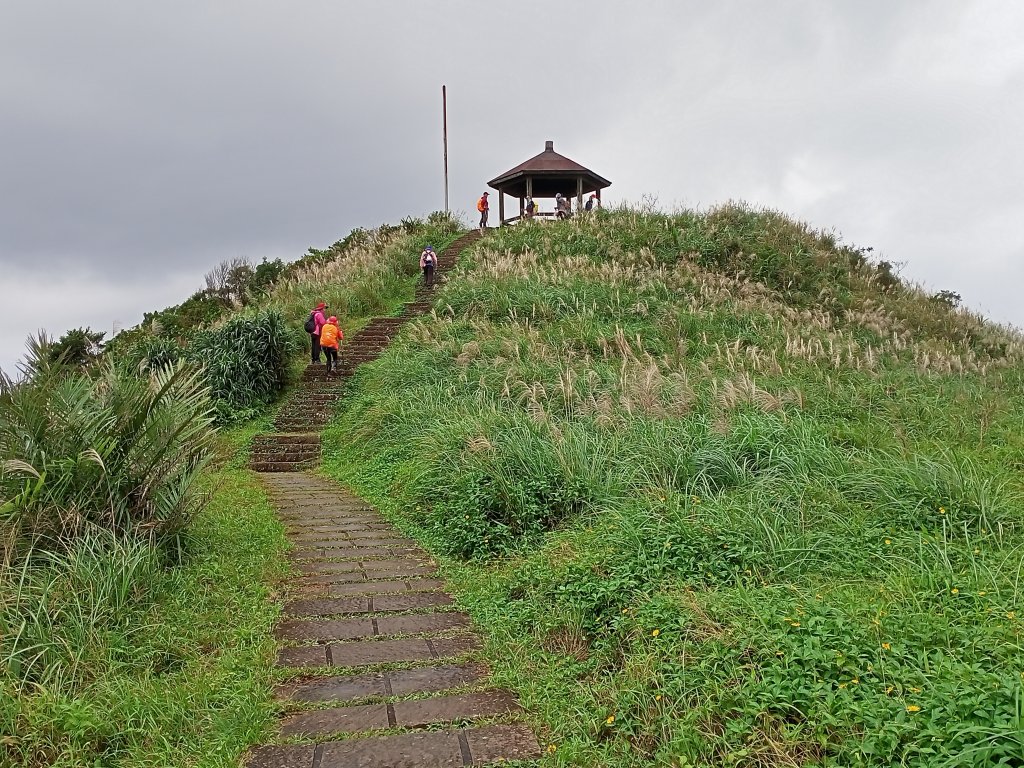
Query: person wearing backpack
(330, 335)
(428, 261)
(483, 206)
(314, 325)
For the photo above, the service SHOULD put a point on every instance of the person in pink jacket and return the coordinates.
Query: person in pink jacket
(314, 325)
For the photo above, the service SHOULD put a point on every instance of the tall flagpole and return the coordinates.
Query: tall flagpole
(444, 111)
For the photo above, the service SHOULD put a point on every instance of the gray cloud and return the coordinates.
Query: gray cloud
(142, 143)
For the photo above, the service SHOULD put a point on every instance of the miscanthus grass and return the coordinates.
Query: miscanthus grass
(721, 489)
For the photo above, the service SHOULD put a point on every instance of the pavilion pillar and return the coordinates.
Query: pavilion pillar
(501, 208)
(522, 208)
(579, 194)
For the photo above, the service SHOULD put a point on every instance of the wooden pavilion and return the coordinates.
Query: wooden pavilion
(544, 176)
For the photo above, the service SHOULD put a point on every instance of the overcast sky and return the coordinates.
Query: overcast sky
(143, 142)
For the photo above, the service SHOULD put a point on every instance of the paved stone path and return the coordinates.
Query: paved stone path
(379, 668)
(295, 445)
(370, 643)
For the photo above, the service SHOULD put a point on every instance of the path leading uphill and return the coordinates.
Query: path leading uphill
(380, 662)
(295, 445)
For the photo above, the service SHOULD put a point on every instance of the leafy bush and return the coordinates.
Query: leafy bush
(119, 452)
(245, 362)
(109, 657)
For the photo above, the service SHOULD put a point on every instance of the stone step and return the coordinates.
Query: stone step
(338, 606)
(394, 586)
(399, 682)
(265, 457)
(299, 423)
(486, 745)
(280, 438)
(268, 457)
(321, 630)
(402, 714)
(368, 653)
(281, 466)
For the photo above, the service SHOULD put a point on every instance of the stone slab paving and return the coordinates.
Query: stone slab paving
(375, 650)
(368, 717)
(437, 749)
(398, 682)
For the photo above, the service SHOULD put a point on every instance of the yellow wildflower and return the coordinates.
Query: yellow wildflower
(982, 593)
(655, 633)
(942, 510)
(610, 719)
(551, 748)
(955, 591)
(913, 708)
(915, 690)
(1011, 615)
(855, 681)
(794, 623)
(658, 697)
(888, 541)
(886, 646)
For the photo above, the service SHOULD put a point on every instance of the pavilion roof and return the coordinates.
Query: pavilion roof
(552, 170)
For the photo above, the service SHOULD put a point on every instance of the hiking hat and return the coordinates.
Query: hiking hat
(321, 305)
(485, 194)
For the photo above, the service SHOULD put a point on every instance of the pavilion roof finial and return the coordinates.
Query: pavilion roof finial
(549, 146)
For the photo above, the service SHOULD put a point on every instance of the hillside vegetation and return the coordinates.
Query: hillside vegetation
(723, 491)
(137, 556)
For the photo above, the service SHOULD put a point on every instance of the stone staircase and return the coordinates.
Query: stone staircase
(295, 445)
(376, 668)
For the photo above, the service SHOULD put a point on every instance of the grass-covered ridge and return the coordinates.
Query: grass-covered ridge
(137, 557)
(724, 491)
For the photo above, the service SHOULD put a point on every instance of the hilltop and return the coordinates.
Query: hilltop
(717, 488)
(724, 491)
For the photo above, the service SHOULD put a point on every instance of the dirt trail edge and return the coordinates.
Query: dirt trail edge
(378, 663)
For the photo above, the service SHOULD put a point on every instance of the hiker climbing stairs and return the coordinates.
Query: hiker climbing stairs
(295, 445)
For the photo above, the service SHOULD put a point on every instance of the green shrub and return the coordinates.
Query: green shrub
(118, 452)
(245, 362)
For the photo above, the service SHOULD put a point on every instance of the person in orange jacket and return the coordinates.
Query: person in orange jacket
(483, 206)
(330, 335)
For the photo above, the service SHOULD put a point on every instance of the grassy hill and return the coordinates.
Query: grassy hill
(723, 491)
(720, 489)
(138, 555)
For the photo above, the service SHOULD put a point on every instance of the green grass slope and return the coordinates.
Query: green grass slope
(722, 491)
